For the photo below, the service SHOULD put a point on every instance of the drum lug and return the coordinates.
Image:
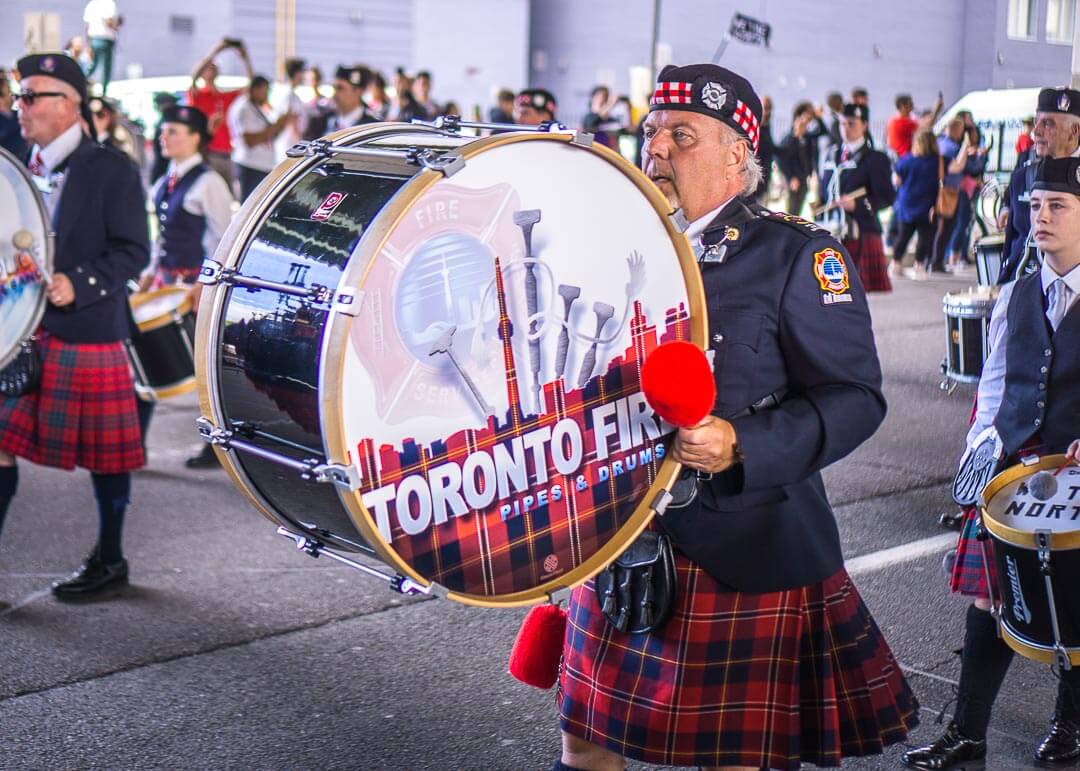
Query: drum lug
(660, 502)
(211, 272)
(1042, 543)
(447, 164)
(679, 221)
(583, 139)
(318, 147)
(348, 301)
(559, 596)
(212, 434)
(408, 587)
(346, 477)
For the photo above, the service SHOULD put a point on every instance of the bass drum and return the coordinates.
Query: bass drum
(428, 347)
(26, 256)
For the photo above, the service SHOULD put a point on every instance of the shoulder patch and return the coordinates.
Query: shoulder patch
(832, 274)
(798, 223)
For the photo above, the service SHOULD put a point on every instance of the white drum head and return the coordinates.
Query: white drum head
(23, 221)
(1024, 499)
(502, 447)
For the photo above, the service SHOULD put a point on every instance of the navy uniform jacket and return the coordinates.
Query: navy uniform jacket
(1019, 223)
(872, 171)
(787, 316)
(101, 242)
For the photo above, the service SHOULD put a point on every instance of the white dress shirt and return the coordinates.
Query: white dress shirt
(49, 183)
(245, 117)
(697, 227)
(992, 380)
(209, 196)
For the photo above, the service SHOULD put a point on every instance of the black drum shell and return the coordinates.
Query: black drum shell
(271, 345)
(163, 358)
(1019, 567)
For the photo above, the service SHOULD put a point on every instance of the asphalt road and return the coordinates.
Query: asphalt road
(233, 650)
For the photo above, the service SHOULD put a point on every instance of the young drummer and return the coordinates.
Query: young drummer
(1028, 393)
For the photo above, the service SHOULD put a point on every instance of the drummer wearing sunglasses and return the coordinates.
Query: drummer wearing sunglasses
(83, 411)
(1028, 394)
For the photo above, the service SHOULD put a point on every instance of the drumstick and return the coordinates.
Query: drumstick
(1068, 462)
(23, 240)
(856, 193)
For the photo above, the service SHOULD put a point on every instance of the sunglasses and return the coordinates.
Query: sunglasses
(29, 97)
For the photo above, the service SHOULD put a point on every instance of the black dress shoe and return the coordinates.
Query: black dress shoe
(1062, 743)
(205, 458)
(952, 750)
(92, 579)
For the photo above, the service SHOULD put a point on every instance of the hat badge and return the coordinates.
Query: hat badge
(48, 64)
(713, 95)
(183, 113)
(1063, 102)
(354, 77)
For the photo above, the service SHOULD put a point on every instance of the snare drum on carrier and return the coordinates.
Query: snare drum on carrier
(427, 348)
(967, 334)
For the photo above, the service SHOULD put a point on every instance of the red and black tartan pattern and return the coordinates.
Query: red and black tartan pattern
(83, 414)
(968, 575)
(672, 93)
(478, 552)
(745, 117)
(868, 254)
(763, 680)
(166, 277)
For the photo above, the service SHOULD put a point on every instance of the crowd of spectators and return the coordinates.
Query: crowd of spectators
(252, 128)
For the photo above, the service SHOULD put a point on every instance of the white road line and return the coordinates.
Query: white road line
(905, 552)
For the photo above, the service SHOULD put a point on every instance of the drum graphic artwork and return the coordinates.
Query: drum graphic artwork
(1033, 521)
(455, 349)
(25, 256)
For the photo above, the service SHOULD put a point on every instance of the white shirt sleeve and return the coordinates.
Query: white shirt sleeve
(211, 198)
(992, 381)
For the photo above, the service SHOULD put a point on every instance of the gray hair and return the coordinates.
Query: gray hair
(751, 173)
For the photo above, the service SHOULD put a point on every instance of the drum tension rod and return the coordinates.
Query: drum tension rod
(213, 273)
(1043, 549)
(396, 581)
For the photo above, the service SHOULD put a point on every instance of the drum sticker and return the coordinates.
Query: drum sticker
(327, 207)
(501, 372)
(832, 274)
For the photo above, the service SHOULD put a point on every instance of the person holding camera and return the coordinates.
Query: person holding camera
(215, 103)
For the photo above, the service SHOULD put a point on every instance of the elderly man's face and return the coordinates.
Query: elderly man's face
(49, 116)
(1055, 134)
(692, 159)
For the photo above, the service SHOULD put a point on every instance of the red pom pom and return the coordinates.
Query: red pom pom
(534, 659)
(678, 383)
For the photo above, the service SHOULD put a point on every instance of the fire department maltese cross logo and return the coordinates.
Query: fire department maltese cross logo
(713, 95)
(831, 271)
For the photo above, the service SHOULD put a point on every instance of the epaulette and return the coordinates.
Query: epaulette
(797, 223)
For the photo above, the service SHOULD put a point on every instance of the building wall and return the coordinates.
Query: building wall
(471, 61)
(919, 47)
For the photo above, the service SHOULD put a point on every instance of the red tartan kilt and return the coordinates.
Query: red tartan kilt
(83, 414)
(763, 680)
(968, 575)
(868, 254)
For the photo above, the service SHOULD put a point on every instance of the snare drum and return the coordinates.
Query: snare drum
(988, 253)
(162, 351)
(1036, 544)
(427, 347)
(967, 327)
(26, 256)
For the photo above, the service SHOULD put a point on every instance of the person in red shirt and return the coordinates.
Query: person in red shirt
(1024, 140)
(215, 103)
(901, 127)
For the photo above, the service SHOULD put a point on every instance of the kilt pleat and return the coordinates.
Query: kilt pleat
(968, 575)
(83, 413)
(765, 680)
(868, 254)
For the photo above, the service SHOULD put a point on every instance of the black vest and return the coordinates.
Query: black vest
(181, 236)
(1042, 373)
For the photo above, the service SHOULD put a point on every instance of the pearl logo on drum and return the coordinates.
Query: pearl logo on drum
(327, 207)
